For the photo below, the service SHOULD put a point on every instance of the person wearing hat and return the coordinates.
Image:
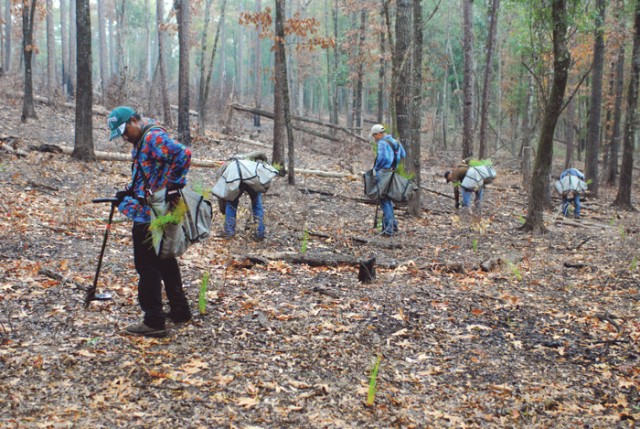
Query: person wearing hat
(456, 176)
(158, 162)
(390, 153)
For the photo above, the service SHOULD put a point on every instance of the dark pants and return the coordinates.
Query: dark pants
(153, 271)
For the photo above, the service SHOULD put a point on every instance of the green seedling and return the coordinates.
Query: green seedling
(277, 166)
(634, 263)
(589, 181)
(474, 244)
(623, 233)
(612, 221)
(514, 270)
(480, 162)
(400, 169)
(199, 188)
(305, 241)
(202, 297)
(92, 342)
(521, 219)
(373, 377)
(174, 217)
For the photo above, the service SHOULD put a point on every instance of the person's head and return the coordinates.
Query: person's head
(447, 176)
(125, 122)
(377, 131)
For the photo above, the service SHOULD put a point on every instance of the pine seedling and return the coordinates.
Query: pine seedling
(623, 233)
(474, 244)
(305, 241)
(612, 221)
(521, 219)
(373, 377)
(173, 217)
(634, 263)
(514, 270)
(202, 297)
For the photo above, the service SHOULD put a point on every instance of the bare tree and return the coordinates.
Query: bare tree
(83, 147)
(28, 15)
(358, 90)
(166, 106)
(469, 76)
(402, 69)
(7, 36)
(183, 10)
(413, 148)
(623, 198)
(72, 49)
(257, 82)
(542, 166)
(104, 55)
(616, 135)
(64, 43)
(488, 77)
(593, 132)
(51, 54)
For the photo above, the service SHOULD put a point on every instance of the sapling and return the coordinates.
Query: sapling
(373, 377)
(474, 244)
(305, 241)
(202, 297)
(172, 217)
(634, 263)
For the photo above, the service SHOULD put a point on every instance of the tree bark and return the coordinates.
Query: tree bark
(51, 54)
(414, 144)
(207, 85)
(104, 54)
(358, 90)
(623, 198)
(28, 14)
(166, 105)
(7, 36)
(488, 75)
(570, 133)
(83, 147)
(616, 135)
(278, 100)
(203, 51)
(593, 133)
(183, 10)
(402, 71)
(72, 50)
(561, 62)
(467, 108)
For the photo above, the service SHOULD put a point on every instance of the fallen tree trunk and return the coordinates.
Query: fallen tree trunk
(269, 115)
(205, 163)
(322, 260)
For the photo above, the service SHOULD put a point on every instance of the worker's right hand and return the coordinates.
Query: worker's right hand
(121, 195)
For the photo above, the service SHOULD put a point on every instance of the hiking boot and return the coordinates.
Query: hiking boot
(146, 331)
(179, 316)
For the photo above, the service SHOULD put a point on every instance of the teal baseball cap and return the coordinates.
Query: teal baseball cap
(117, 121)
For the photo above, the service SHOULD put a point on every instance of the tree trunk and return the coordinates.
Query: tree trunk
(203, 52)
(51, 54)
(183, 10)
(381, 80)
(257, 82)
(120, 18)
(623, 198)
(7, 36)
(414, 149)
(83, 147)
(616, 135)
(467, 108)
(281, 75)
(278, 102)
(570, 133)
(72, 50)
(542, 166)
(207, 85)
(593, 133)
(526, 149)
(166, 105)
(28, 14)
(104, 54)
(331, 73)
(402, 71)
(334, 77)
(488, 75)
(358, 90)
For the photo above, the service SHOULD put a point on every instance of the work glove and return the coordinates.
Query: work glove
(457, 205)
(172, 196)
(121, 195)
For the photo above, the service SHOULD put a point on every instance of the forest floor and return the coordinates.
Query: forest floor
(476, 324)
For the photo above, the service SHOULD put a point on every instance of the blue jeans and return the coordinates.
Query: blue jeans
(466, 197)
(389, 224)
(231, 210)
(565, 205)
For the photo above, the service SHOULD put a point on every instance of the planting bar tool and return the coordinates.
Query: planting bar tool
(91, 292)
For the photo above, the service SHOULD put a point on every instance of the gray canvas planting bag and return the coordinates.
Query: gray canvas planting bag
(478, 176)
(257, 175)
(570, 183)
(194, 227)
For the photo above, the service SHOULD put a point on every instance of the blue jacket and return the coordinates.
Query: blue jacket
(386, 146)
(163, 162)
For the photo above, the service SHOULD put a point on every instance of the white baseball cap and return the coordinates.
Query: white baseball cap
(377, 128)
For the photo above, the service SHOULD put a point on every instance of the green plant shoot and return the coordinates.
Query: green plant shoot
(373, 377)
(623, 234)
(612, 221)
(634, 263)
(202, 297)
(474, 244)
(305, 241)
(514, 270)
(174, 217)
(521, 219)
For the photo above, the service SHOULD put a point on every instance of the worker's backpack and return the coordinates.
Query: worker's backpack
(570, 183)
(478, 176)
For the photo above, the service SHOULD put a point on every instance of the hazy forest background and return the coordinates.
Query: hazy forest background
(522, 318)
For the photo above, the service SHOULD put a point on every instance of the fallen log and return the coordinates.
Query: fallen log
(269, 115)
(318, 260)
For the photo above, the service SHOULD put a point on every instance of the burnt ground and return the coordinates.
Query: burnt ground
(546, 335)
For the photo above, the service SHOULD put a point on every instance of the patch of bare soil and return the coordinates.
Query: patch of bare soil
(477, 324)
